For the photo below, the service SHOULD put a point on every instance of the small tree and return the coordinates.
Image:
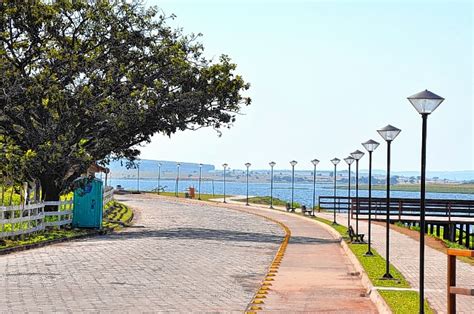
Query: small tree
(82, 82)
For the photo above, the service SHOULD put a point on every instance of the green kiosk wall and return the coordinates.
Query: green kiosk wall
(88, 205)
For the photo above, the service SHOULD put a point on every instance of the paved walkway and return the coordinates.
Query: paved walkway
(188, 257)
(315, 273)
(404, 255)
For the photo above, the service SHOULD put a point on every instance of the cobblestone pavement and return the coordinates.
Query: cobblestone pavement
(188, 257)
(404, 255)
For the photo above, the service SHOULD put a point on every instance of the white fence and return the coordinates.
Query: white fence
(28, 218)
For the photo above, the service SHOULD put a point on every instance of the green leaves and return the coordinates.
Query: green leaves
(82, 82)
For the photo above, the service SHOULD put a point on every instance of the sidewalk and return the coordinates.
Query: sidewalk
(404, 255)
(315, 273)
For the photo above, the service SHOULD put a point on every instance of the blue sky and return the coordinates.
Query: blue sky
(325, 75)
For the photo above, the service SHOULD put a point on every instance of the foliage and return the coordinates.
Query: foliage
(86, 81)
(116, 216)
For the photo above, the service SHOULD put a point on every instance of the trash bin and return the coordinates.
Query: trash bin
(192, 192)
(88, 198)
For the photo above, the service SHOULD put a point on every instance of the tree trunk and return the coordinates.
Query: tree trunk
(49, 191)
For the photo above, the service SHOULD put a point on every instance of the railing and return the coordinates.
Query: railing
(108, 196)
(452, 290)
(24, 219)
(444, 208)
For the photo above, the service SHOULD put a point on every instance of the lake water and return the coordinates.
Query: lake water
(303, 191)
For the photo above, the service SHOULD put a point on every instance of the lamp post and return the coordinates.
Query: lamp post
(200, 177)
(425, 103)
(159, 177)
(138, 178)
(357, 155)
(177, 179)
(248, 166)
(388, 133)
(272, 164)
(370, 146)
(293, 164)
(315, 162)
(335, 161)
(349, 160)
(225, 167)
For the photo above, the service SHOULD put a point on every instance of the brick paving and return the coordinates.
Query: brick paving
(188, 257)
(315, 273)
(404, 255)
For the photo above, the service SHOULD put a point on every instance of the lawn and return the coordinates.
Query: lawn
(204, 197)
(265, 200)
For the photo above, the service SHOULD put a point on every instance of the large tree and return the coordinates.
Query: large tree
(82, 82)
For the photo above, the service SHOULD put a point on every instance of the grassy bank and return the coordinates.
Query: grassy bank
(204, 197)
(398, 301)
(434, 188)
(265, 200)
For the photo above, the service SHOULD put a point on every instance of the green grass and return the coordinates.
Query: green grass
(435, 188)
(44, 236)
(204, 197)
(265, 200)
(449, 244)
(117, 215)
(398, 301)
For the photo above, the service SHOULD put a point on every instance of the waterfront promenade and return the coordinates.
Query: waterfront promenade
(184, 256)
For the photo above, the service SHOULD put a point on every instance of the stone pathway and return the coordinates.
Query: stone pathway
(188, 257)
(404, 255)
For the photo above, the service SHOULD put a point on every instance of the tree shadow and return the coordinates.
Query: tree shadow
(213, 235)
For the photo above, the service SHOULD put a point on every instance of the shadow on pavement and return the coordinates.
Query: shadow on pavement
(212, 234)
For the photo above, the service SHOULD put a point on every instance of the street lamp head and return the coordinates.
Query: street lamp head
(272, 164)
(389, 132)
(178, 164)
(225, 165)
(349, 160)
(248, 165)
(425, 102)
(357, 155)
(370, 145)
(335, 161)
(315, 162)
(160, 164)
(293, 163)
(200, 165)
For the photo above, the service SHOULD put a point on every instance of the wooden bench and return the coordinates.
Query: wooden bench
(305, 210)
(358, 237)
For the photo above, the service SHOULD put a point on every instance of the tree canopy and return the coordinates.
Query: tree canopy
(82, 82)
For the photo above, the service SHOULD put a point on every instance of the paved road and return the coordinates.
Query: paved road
(404, 255)
(188, 257)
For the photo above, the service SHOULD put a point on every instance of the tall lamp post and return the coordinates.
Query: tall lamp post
(315, 162)
(159, 176)
(293, 164)
(370, 146)
(357, 155)
(248, 166)
(225, 167)
(272, 164)
(177, 179)
(425, 103)
(138, 178)
(349, 160)
(200, 178)
(388, 133)
(335, 161)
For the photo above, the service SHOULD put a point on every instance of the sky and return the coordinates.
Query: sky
(325, 75)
